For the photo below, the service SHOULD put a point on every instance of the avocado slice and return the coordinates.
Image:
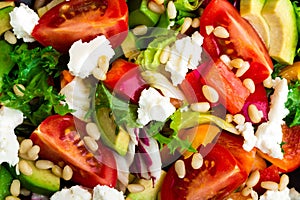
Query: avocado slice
(5, 19)
(6, 180)
(251, 11)
(281, 18)
(150, 192)
(42, 181)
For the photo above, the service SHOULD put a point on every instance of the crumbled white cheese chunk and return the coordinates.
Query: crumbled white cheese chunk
(247, 131)
(9, 145)
(269, 134)
(84, 56)
(106, 193)
(153, 106)
(77, 96)
(185, 54)
(276, 195)
(23, 20)
(74, 193)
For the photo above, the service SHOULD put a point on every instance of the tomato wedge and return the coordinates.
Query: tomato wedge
(243, 41)
(219, 175)
(60, 141)
(291, 148)
(73, 20)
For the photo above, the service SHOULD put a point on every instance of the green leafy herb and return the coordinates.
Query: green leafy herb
(35, 69)
(293, 104)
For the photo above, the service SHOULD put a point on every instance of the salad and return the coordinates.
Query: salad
(149, 99)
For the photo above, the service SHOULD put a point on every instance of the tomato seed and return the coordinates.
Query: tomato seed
(156, 7)
(180, 168)
(25, 145)
(186, 24)
(197, 161)
(171, 10)
(284, 181)
(67, 173)
(15, 187)
(25, 168)
(210, 93)
(200, 106)
(269, 185)
(253, 179)
(135, 188)
(44, 164)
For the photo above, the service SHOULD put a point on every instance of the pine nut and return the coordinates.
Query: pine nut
(99, 74)
(159, 1)
(210, 93)
(269, 185)
(249, 84)
(90, 143)
(15, 187)
(241, 71)
(33, 152)
(253, 179)
(221, 32)
(56, 170)
(12, 198)
(196, 22)
(268, 82)
(239, 119)
(92, 130)
(171, 10)
(237, 63)
(25, 168)
(200, 106)
(140, 30)
(246, 191)
(154, 7)
(10, 37)
(19, 89)
(186, 25)
(197, 161)
(25, 192)
(226, 60)
(229, 118)
(25, 145)
(67, 173)
(165, 55)
(254, 114)
(180, 168)
(209, 29)
(44, 164)
(135, 188)
(284, 181)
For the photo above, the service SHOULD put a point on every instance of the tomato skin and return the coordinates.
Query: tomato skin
(291, 148)
(243, 39)
(59, 141)
(73, 20)
(270, 173)
(219, 176)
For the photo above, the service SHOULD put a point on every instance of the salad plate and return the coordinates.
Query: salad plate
(149, 99)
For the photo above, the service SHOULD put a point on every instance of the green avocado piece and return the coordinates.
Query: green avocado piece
(6, 180)
(140, 14)
(150, 192)
(42, 181)
(281, 18)
(5, 19)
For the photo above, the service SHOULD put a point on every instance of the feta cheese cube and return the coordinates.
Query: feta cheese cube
(103, 192)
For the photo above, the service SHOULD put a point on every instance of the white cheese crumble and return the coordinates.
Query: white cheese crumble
(23, 20)
(269, 134)
(294, 194)
(106, 193)
(247, 131)
(153, 106)
(276, 195)
(74, 193)
(77, 94)
(185, 55)
(84, 56)
(9, 145)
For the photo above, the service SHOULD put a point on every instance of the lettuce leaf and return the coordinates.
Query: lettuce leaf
(292, 104)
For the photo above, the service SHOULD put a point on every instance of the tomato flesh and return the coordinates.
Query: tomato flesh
(60, 141)
(243, 41)
(73, 20)
(219, 175)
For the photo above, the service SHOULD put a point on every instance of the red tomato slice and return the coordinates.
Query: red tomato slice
(219, 175)
(234, 143)
(291, 148)
(270, 173)
(70, 21)
(243, 40)
(60, 141)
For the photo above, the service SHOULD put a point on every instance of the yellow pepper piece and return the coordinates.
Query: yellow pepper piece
(291, 72)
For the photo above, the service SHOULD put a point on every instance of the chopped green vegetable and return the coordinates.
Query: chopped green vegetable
(6, 63)
(188, 5)
(35, 69)
(293, 104)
